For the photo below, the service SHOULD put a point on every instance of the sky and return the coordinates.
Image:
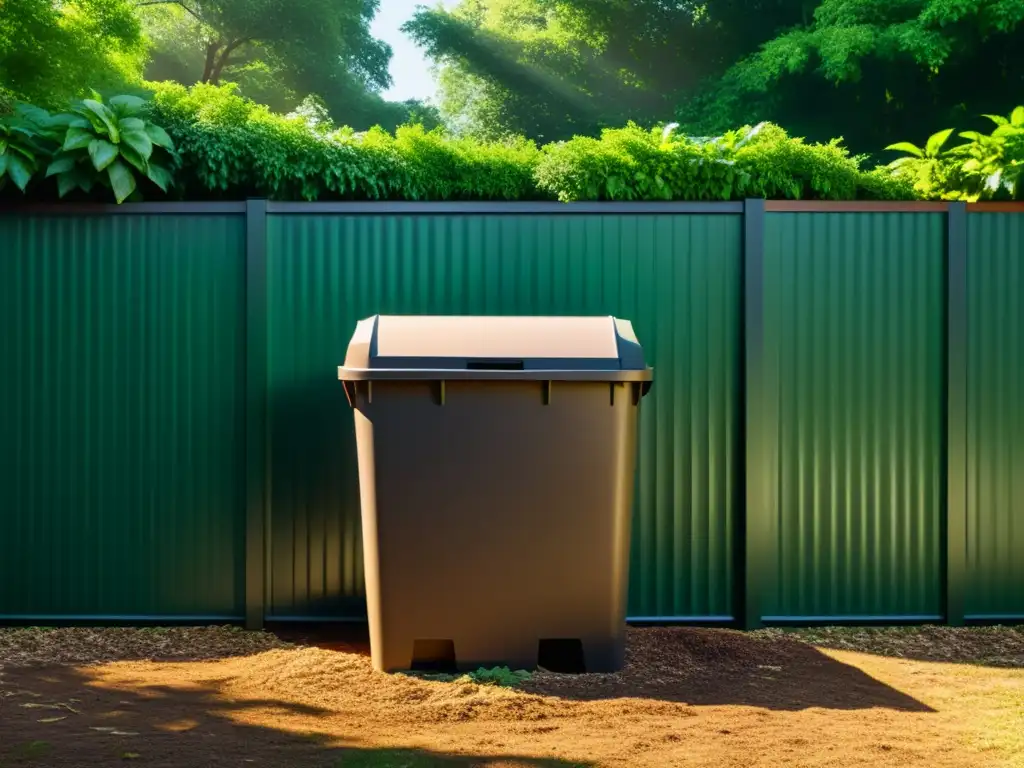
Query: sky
(410, 72)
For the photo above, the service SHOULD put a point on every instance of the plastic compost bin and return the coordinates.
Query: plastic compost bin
(496, 473)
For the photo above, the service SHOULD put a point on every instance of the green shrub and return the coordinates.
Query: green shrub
(96, 144)
(634, 164)
(231, 147)
(110, 144)
(983, 167)
(218, 145)
(22, 147)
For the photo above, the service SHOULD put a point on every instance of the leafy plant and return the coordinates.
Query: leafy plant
(19, 150)
(110, 144)
(984, 167)
(758, 161)
(994, 164)
(931, 170)
(498, 676)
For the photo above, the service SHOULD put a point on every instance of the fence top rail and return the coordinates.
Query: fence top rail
(854, 206)
(128, 209)
(1007, 207)
(371, 208)
(393, 208)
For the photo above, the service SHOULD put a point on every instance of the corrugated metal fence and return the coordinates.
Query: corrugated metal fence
(835, 432)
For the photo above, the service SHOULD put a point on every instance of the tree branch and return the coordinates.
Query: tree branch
(211, 58)
(224, 56)
(178, 3)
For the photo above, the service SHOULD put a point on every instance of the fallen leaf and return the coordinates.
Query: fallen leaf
(130, 756)
(52, 719)
(39, 706)
(102, 728)
(124, 733)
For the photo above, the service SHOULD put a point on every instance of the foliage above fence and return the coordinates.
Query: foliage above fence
(982, 166)
(214, 144)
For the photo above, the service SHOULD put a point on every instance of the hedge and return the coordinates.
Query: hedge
(229, 148)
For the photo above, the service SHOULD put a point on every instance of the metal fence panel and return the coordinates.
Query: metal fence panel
(995, 416)
(854, 310)
(676, 276)
(121, 418)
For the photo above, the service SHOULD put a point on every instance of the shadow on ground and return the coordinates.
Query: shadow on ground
(692, 666)
(55, 718)
(1000, 647)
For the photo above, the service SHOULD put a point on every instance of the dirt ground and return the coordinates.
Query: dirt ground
(688, 697)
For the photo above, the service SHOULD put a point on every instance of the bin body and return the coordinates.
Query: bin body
(496, 493)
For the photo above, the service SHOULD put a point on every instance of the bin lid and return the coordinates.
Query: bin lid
(541, 348)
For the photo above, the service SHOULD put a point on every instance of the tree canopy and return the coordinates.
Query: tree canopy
(875, 71)
(278, 52)
(554, 68)
(51, 51)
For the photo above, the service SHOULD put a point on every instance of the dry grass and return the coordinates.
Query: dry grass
(931, 697)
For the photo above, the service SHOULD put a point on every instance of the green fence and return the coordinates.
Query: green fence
(835, 431)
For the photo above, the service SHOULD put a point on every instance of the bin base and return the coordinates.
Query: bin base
(563, 655)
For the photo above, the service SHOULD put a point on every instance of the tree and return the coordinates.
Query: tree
(553, 68)
(51, 51)
(333, 32)
(875, 71)
(280, 53)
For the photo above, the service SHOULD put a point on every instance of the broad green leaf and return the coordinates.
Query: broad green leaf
(159, 137)
(121, 180)
(3, 165)
(1017, 117)
(126, 105)
(160, 176)
(906, 146)
(66, 182)
(971, 166)
(32, 113)
(92, 122)
(77, 138)
(60, 164)
(103, 153)
(131, 124)
(997, 119)
(1005, 130)
(18, 171)
(936, 142)
(106, 117)
(63, 120)
(139, 141)
(973, 136)
(80, 122)
(28, 131)
(28, 154)
(86, 180)
(134, 158)
(3, 146)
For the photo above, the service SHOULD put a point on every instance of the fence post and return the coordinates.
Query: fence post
(255, 410)
(760, 424)
(956, 414)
